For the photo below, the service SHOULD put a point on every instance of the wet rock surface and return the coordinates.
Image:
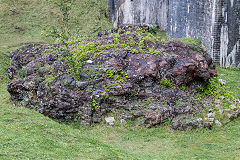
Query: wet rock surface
(150, 87)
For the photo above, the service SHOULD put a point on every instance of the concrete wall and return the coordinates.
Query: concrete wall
(215, 22)
(139, 12)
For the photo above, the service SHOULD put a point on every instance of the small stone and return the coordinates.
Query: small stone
(231, 116)
(81, 84)
(84, 75)
(221, 110)
(211, 120)
(89, 61)
(222, 81)
(153, 107)
(123, 121)
(200, 120)
(217, 101)
(110, 120)
(237, 101)
(218, 123)
(227, 110)
(210, 110)
(222, 97)
(211, 115)
(125, 116)
(233, 107)
(229, 100)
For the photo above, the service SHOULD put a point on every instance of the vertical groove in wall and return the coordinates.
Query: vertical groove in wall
(216, 31)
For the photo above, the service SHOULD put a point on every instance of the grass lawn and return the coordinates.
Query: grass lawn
(26, 134)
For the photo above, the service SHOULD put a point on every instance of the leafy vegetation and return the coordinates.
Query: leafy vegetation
(166, 83)
(26, 134)
(94, 104)
(217, 89)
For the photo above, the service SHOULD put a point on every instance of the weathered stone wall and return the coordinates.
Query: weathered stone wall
(139, 12)
(215, 22)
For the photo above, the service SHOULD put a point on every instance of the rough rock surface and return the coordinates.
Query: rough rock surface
(150, 87)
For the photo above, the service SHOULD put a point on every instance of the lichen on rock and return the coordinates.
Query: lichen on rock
(126, 71)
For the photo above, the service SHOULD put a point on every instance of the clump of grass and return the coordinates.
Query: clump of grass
(190, 41)
(166, 83)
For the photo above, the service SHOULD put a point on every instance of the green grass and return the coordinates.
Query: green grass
(26, 134)
(232, 76)
(188, 40)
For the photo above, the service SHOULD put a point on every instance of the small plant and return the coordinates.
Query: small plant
(183, 88)
(154, 30)
(118, 78)
(66, 82)
(168, 122)
(47, 66)
(166, 83)
(154, 52)
(133, 94)
(110, 73)
(105, 97)
(116, 38)
(112, 85)
(96, 78)
(134, 51)
(90, 90)
(23, 72)
(128, 33)
(25, 103)
(94, 104)
(180, 103)
(148, 101)
(49, 78)
(195, 48)
(131, 41)
(150, 38)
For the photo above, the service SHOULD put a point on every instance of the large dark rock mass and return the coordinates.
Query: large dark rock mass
(126, 72)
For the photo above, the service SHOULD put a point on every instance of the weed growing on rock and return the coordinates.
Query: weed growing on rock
(23, 72)
(193, 43)
(218, 90)
(49, 78)
(180, 103)
(110, 73)
(133, 94)
(183, 88)
(166, 83)
(195, 48)
(94, 104)
(155, 52)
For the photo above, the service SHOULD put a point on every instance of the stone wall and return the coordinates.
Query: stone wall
(215, 22)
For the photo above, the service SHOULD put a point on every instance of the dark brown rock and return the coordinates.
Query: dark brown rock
(136, 86)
